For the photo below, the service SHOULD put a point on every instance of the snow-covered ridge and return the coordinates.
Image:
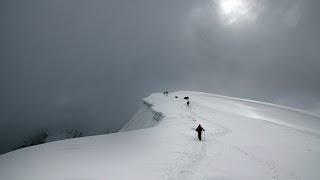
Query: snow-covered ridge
(242, 107)
(244, 140)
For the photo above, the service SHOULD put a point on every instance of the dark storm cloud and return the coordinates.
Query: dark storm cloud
(87, 64)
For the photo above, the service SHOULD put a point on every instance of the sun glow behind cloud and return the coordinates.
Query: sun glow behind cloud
(235, 11)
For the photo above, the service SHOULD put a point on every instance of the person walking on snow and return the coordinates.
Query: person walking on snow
(188, 103)
(199, 130)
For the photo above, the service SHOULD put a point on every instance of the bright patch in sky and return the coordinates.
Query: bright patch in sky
(236, 10)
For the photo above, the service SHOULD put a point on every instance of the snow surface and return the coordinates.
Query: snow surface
(244, 140)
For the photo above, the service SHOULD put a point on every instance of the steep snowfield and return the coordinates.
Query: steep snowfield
(244, 140)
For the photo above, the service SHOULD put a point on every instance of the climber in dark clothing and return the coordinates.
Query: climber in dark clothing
(199, 130)
(188, 103)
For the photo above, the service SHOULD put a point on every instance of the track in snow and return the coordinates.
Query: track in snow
(198, 156)
(196, 151)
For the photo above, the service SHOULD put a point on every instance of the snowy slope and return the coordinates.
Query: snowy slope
(243, 140)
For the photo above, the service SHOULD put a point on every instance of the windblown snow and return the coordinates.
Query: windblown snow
(244, 140)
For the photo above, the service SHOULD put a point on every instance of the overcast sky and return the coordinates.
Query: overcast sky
(88, 64)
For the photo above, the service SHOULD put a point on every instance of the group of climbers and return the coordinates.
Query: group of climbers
(186, 98)
(199, 128)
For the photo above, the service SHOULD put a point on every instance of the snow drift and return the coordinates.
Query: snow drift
(146, 117)
(243, 140)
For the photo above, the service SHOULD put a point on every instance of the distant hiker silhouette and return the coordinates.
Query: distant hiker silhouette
(199, 130)
(187, 98)
(188, 103)
(166, 93)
